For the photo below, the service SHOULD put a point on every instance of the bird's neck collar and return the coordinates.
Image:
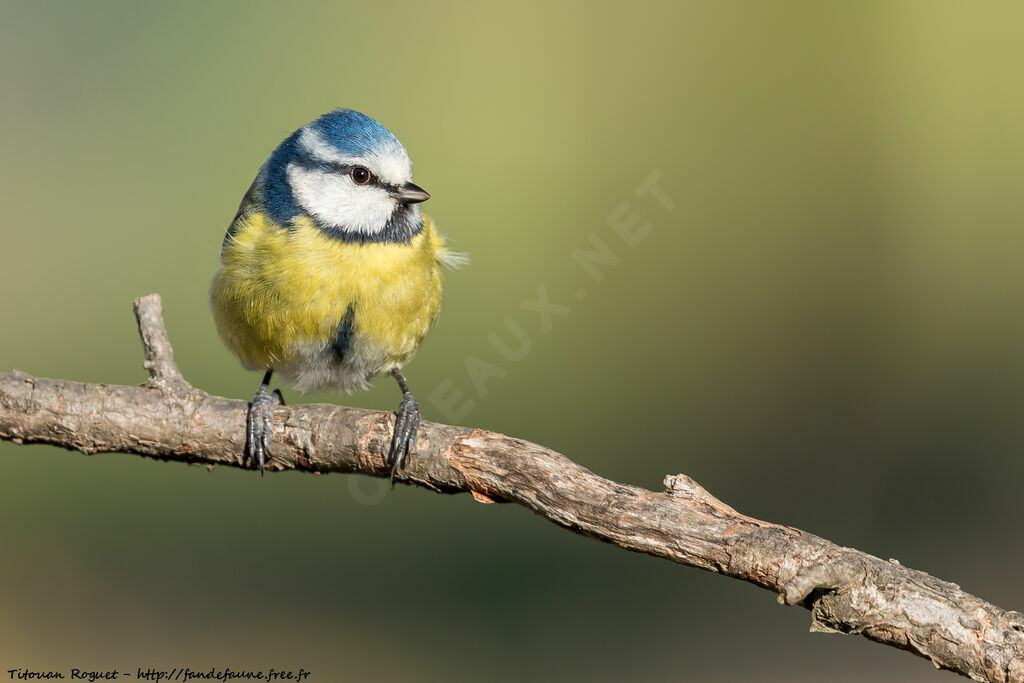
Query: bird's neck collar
(404, 224)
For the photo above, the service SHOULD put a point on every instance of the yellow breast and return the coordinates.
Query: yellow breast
(280, 292)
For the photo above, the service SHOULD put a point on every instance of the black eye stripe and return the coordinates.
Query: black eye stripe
(345, 169)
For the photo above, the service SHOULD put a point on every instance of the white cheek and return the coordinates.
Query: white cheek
(335, 200)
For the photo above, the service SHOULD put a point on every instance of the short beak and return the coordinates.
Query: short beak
(412, 194)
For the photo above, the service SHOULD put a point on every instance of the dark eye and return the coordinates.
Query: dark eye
(361, 175)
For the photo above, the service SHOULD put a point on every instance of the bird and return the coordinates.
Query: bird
(330, 274)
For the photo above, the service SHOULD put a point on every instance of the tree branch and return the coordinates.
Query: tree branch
(847, 591)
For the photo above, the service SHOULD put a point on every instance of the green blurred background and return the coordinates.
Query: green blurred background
(826, 329)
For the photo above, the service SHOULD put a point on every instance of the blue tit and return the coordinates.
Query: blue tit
(329, 273)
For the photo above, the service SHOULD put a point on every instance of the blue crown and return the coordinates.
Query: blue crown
(353, 133)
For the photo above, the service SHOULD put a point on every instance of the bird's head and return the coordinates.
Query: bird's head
(350, 175)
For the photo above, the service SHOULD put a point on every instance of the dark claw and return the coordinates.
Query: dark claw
(259, 425)
(407, 424)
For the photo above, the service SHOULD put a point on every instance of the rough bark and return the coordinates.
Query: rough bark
(847, 591)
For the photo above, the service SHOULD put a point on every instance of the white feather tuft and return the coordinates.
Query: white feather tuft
(453, 260)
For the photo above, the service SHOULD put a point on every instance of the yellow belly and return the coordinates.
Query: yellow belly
(280, 294)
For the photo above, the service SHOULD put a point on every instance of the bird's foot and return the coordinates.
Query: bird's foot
(259, 425)
(407, 424)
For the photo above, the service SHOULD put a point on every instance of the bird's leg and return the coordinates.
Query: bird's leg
(407, 423)
(260, 421)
